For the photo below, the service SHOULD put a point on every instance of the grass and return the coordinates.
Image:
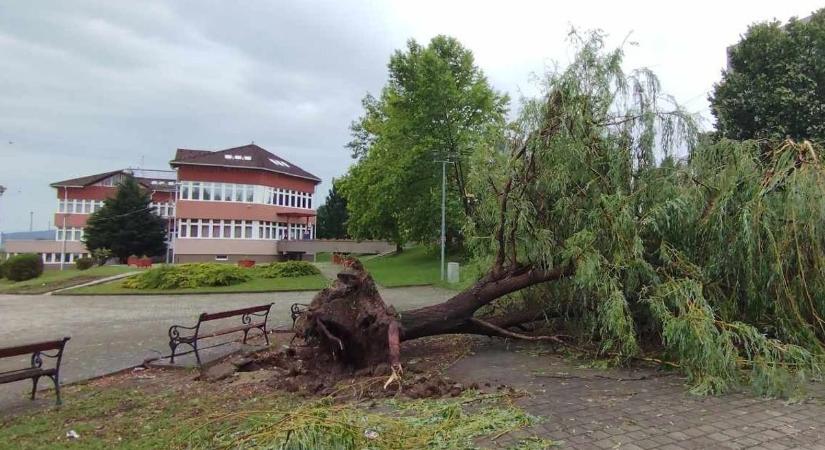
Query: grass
(209, 416)
(57, 279)
(305, 283)
(414, 267)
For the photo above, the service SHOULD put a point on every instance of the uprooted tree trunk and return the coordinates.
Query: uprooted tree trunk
(351, 321)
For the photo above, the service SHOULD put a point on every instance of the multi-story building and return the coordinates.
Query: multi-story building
(223, 205)
(239, 203)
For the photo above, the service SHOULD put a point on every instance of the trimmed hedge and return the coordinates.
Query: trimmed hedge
(83, 263)
(23, 267)
(287, 269)
(188, 276)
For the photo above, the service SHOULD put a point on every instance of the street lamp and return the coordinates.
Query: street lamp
(443, 212)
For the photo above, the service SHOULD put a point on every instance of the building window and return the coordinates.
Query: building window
(221, 258)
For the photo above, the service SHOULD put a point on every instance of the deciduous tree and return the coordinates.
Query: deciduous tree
(437, 105)
(774, 86)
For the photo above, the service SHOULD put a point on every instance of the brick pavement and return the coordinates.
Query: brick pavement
(637, 409)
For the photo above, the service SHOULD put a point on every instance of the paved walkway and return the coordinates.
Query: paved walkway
(110, 333)
(635, 409)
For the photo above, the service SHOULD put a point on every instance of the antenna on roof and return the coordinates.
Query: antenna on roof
(253, 141)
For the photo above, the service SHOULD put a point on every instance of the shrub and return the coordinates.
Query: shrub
(287, 269)
(101, 255)
(23, 267)
(83, 263)
(2, 263)
(188, 276)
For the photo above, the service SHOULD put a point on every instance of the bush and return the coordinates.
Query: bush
(101, 255)
(188, 276)
(83, 263)
(287, 269)
(23, 267)
(2, 263)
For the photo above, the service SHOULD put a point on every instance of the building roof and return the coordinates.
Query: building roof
(248, 156)
(85, 181)
(156, 180)
(43, 235)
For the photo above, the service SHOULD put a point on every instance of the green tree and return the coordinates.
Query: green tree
(588, 215)
(332, 216)
(126, 224)
(437, 105)
(774, 86)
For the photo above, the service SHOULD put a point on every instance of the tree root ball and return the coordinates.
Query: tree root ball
(350, 321)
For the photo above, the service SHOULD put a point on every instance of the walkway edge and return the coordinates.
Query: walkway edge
(93, 282)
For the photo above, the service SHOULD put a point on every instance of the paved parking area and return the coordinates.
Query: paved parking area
(110, 333)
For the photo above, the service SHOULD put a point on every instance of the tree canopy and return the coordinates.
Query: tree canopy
(437, 105)
(774, 86)
(126, 224)
(715, 256)
(332, 216)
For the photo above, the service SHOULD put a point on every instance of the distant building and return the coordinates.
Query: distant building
(225, 205)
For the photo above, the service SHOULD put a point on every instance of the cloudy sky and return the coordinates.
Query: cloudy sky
(92, 86)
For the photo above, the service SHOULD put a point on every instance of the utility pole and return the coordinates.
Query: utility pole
(2, 191)
(65, 209)
(443, 214)
(31, 220)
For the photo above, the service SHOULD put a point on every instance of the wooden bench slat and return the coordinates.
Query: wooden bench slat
(235, 312)
(22, 374)
(223, 331)
(31, 348)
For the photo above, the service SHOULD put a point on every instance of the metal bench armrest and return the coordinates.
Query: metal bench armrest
(37, 357)
(174, 331)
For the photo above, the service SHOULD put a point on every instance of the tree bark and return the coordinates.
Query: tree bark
(350, 320)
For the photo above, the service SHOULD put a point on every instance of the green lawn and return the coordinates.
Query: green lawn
(414, 267)
(305, 283)
(56, 279)
(143, 414)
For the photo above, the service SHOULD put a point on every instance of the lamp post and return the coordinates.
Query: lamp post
(65, 209)
(2, 191)
(443, 213)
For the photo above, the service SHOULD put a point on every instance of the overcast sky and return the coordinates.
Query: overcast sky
(92, 86)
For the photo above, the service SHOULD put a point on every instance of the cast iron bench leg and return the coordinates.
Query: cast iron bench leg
(34, 385)
(56, 388)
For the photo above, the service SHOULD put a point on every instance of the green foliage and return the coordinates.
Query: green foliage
(437, 105)
(2, 265)
(332, 216)
(83, 263)
(188, 276)
(101, 255)
(23, 267)
(718, 258)
(286, 269)
(126, 224)
(775, 84)
(421, 424)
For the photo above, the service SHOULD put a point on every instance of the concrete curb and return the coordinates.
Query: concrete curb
(93, 282)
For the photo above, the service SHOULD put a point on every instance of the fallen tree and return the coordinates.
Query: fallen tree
(588, 215)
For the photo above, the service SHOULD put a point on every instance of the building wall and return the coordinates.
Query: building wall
(207, 209)
(98, 193)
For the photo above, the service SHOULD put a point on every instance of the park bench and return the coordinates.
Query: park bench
(296, 311)
(251, 318)
(35, 371)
